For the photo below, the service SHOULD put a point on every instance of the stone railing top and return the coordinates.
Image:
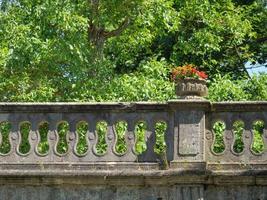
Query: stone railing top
(239, 106)
(205, 105)
(80, 107)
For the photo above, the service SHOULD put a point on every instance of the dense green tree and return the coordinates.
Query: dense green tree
(122, 50)
(225, 89)
(221, 36)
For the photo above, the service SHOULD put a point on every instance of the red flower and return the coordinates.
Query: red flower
(187, 71)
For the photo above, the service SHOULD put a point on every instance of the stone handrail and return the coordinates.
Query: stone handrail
(248, 113)
(189, 139)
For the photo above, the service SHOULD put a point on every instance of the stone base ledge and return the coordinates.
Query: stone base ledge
(125, 174)
(54, 179)
(236, 166)
(192, 165)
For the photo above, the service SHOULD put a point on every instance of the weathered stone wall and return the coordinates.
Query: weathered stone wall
(235, 192)
(176, 192)
(101, 193)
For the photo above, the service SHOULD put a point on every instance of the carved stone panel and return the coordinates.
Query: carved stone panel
(189, 133)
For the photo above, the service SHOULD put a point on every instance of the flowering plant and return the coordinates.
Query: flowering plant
(187, 71)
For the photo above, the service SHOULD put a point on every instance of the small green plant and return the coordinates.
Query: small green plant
(101, 129)
(43, 145)
(140, 131)
(218, 129)
(82, 146)
(160, 146)
(258, 144)
(120, 129)
(63, 129)
(238, 129)
(24, 146)
(5, 128)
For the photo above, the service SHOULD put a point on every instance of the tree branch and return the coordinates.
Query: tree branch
(261, 40)
(258, 40)
(241, 61)
(254, 67)
(119, 30)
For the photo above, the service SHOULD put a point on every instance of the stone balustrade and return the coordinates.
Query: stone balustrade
(190, 137)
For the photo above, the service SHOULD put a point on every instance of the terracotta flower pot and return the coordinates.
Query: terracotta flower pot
(190, 88)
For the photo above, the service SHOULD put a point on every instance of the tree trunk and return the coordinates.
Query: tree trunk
(97, 39)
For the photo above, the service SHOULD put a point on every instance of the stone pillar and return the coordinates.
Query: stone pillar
(189, 132)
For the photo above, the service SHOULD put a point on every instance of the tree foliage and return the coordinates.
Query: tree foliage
(225, 89)
(97, 50)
